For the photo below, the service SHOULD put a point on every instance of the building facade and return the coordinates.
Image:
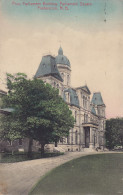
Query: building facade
(89, 127)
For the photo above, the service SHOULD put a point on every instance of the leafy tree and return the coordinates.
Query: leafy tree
(38, 112)
(114, 132)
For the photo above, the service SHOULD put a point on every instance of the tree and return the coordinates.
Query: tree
(38, 112)
(114, 132)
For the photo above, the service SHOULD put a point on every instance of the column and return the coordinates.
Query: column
(91, 138)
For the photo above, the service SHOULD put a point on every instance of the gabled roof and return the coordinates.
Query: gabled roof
(48, 67)
(97, 99)
(84, 88)
(73, 96)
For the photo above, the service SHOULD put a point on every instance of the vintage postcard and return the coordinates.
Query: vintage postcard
(77, 47)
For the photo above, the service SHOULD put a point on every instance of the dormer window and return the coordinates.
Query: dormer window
(44, 65)
(62, 75)
(75, 116)
(68, 79)
(67, 95)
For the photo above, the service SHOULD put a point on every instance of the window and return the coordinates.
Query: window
(68, 139)
(103, 125)
(62, 75)
(83, 101)
(85, 118)
(67, 95)
(68, 79)
(44, 65)
(54, 84)
(72, 137)
(76, 137)
(61, 139)
(75, 116)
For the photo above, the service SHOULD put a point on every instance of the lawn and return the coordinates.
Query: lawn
(22, 156)
(100, 174)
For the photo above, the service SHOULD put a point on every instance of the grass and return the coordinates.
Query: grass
(21, 156)
(100, 174)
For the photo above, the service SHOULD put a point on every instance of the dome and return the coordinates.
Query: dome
(61, 59)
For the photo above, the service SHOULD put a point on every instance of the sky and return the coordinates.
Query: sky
(90, 36)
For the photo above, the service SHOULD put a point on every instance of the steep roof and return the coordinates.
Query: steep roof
(48, 67)
(97, 99)
(61, 59)
(73, 97)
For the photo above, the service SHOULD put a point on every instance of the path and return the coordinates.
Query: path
(19, 178)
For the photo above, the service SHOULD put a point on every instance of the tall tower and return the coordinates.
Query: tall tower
(63, 65)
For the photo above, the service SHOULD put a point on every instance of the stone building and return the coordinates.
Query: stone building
(89, 127)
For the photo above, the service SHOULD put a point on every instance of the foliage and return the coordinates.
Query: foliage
(114, 132)
(38, 111)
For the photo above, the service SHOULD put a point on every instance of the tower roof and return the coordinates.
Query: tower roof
(97, 99)
(48, 67)
(60, 51)
(61, 59)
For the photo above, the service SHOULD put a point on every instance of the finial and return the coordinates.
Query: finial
(60, 51)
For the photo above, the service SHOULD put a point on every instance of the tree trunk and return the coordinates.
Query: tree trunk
(30, 148)
(42, 149)
(56, 144)
(12, 148)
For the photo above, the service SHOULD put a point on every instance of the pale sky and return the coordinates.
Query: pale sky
(94, 47)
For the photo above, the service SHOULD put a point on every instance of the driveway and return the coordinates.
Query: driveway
(19, 178)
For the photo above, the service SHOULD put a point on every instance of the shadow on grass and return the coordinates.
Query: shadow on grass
(21, 156)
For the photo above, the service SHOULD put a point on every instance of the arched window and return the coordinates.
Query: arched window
(76, 137)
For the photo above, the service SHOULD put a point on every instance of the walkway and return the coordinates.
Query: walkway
(19, 178)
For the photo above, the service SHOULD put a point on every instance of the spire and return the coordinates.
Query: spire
(60, 51)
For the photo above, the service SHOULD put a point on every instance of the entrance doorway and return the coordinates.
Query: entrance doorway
(87, 137)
